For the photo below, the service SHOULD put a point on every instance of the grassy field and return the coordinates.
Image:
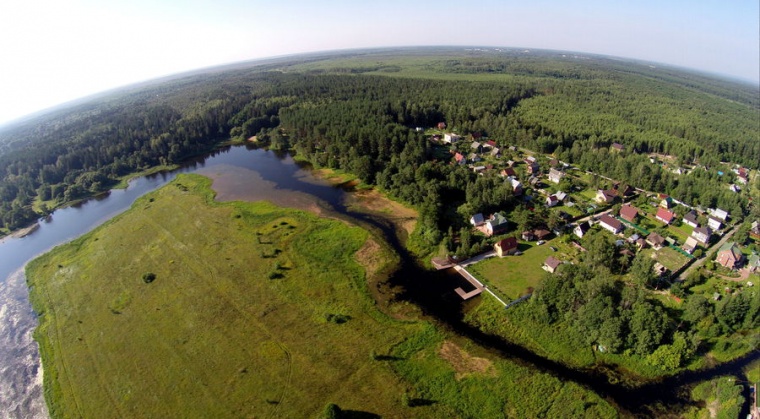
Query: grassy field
(185, 307)
(511, 276)
(254, 311)
(486, 388)
(671, 258)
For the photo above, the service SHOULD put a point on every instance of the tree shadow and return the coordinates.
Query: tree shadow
(358, 414)
(421, 402)
(388, 358)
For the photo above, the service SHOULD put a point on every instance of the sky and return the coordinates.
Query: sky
(54, 51)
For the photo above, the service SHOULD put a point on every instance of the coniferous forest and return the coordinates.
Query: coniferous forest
(359, 114)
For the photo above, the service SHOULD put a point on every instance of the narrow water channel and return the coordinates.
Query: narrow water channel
(244, 173)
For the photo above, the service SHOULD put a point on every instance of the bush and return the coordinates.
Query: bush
(148, 277)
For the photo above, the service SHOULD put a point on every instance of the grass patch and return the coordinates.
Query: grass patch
(442, 370)
(513, 275)
(671, 258)
(210, 333)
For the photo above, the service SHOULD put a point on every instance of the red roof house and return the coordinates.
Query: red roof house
(629, 213)
(506, 246)
(729, 255)
(664, 215)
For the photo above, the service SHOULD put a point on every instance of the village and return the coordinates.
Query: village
(678, 238)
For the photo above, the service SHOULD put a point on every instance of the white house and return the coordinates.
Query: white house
(555, 175)
(714, 223)
(702, 234)
(582, 229)
(551, 200)
(610, 224)
(451, 138)
(477, 219)
(720, 214)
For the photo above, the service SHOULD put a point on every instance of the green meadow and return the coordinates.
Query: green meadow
(254, 311)
(187, 307)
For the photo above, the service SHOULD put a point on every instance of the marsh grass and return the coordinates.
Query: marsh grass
(212, 335)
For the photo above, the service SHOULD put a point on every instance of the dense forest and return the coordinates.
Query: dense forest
(362, 118)
(594, 305)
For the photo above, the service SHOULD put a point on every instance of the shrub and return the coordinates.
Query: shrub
(148, 277)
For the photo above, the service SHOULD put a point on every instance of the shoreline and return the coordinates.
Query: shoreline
(20, 233)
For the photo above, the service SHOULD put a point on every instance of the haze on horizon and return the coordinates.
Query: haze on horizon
(54, 52)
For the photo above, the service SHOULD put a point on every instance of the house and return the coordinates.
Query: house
(508, 172)
(496, 152)
(610, 224)
(754, 232)
(476, 147)
(542, 233)
(624, 191)
(714, 223)
(753, 263)
(479, 169)
(720, 214)
(497, 224)
(551, 201)
(555, 175)
(655, 240)
(581, 229)
(659, 269)
(617, 147)
(560, 195)
(532, 165)
(517, 188)
(510, 163)
(742, 176)
(733, 188)
(506, 246)
(473, 157)
(459, 157)
(477, 220)
(702, 234)
(490, 144)
(666, 202)
(665, 216)
(528, 235)
(729, 255)
(451, 138)
(690, 219)
(551, 264)
(629, 213)
(690, 246)
(605, 196)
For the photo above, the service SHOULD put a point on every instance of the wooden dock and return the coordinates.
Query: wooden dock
(471, 279)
